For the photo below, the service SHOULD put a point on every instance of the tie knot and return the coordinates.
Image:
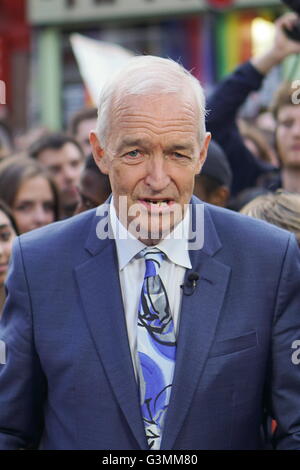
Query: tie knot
(154, 258)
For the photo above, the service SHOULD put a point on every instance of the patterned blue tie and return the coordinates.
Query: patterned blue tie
(156, 346)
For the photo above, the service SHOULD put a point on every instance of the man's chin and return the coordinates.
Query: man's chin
(150, 222)
(69, 199)
(152, 229)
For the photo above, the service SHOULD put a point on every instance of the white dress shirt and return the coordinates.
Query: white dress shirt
(132, 271)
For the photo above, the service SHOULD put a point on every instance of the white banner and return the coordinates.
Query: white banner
(97, 61)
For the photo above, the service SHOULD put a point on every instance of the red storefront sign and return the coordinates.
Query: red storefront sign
(14, 36)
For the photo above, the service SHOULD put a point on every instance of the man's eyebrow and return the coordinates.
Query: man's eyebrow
(131, 142)
(183, 146)
(4, 226)
(142, 143)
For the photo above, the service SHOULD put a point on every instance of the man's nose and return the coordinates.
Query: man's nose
(157, 174)
(71, 174)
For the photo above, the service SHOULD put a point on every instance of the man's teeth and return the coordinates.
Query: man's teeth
(158, 203)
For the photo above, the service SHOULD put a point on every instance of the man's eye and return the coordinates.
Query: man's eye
(54, 169)
(75, 163)
(180, 155)
(133, 153)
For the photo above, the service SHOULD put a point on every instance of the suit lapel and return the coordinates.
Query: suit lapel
(198, 321)
(99, 287)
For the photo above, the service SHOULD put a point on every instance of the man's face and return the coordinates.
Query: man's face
(288, 135)
(92, 191)
(152, 154)
(65, 165)
(83, 132)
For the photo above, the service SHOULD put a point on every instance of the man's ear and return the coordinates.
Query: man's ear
(98, 153)
(203, 151)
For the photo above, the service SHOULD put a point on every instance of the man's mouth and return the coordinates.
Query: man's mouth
(157, 202)
(157, 205)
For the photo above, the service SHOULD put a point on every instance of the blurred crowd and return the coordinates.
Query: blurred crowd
(253, 166)
(46, 177)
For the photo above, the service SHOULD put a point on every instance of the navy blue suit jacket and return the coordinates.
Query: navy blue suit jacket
(68, 381)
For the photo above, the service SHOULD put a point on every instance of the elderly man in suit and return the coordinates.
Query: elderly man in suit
(155, 321)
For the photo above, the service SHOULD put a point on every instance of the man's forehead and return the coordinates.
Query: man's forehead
(86, 126)
(158, 104)
(68, 150)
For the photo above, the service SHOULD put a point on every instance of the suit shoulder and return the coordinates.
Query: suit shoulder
(58, 234)
(247, 229)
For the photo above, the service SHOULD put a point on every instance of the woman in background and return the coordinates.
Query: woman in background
(8, 232)
(29, 192)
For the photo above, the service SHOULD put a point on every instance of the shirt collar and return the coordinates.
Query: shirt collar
(175, 245)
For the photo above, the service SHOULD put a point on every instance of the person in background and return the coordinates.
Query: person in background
(24, 140)
(30, 193)
(281, 209)
(94, 186)
(213, 184)
(256, 141)
(265, 122)
(63, 157)
(6, 145)
(8, 232)
(229, 96)
(286, 111)
(81, 125)
(244, 197)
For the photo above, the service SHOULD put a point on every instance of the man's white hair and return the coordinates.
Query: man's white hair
(148, 75)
